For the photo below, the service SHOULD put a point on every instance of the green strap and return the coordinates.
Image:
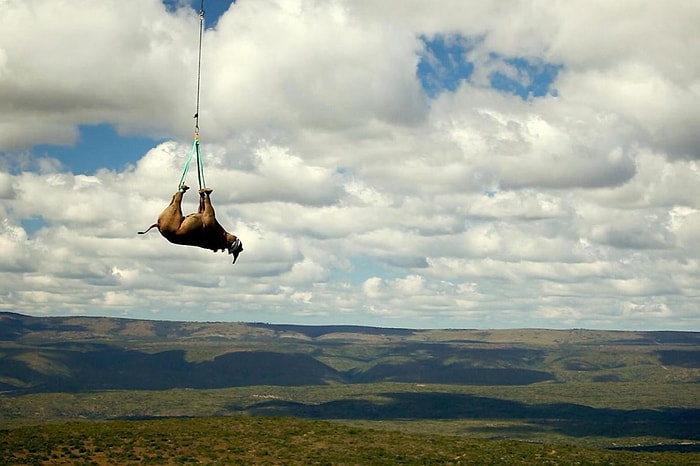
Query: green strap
(195, 149)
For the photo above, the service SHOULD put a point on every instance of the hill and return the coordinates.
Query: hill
(64, 354)
(583, 386)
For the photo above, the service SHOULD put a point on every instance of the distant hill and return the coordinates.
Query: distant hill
(73, 354)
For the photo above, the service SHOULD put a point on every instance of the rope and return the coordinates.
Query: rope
(194, 152)
(199, 67)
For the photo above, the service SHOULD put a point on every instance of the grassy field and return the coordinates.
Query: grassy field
(271, 441)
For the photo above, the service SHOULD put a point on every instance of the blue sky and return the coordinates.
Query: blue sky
(474, 168)
(98, 147)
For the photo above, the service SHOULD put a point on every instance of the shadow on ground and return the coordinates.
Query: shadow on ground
(79, 366)
(566, 418)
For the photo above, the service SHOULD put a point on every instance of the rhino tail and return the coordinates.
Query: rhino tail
(147, 229)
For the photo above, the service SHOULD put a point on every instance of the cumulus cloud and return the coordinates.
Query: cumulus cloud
(74, 62)
(362, 193)
(289, 74)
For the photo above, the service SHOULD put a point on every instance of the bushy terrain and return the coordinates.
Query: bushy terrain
(526, 390)
(285, 441)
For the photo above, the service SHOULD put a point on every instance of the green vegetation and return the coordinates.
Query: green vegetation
(594, 414)
(178, 393)
(246, 440)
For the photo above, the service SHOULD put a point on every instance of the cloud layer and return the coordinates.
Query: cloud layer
(362, 194)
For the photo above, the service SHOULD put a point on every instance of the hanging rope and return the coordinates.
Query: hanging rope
(199, 67)
(194, 152)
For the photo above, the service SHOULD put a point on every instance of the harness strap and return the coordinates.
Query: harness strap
(193, 151)
(200, 165)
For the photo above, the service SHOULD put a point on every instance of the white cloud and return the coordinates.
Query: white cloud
(359, 199)
(284, 66)
(641, 95)
(6, 190)
(73, 62)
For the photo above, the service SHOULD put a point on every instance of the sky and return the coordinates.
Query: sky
(446, 164)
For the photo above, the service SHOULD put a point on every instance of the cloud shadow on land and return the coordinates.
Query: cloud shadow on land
(567, 418)
(79, 367)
